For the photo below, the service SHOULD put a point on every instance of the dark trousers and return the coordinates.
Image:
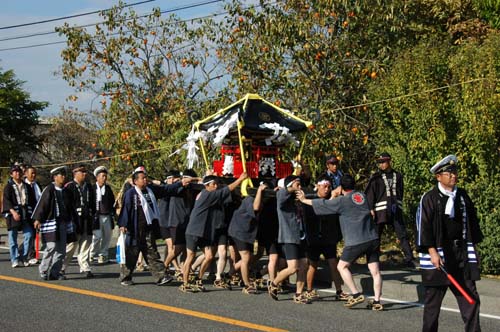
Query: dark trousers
(432, 306)
(400, 230)
(146, 243)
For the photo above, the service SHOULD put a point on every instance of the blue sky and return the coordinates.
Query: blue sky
(36, 66)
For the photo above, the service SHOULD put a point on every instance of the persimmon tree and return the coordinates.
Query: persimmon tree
(321, 55)
(149, 71)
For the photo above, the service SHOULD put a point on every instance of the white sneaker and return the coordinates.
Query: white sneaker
(33, 261)
(100, 260)
(26, 264)
(15, 264)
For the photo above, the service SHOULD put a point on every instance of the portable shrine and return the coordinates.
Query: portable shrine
(251, 135)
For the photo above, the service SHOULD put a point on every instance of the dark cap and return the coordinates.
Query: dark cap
(383, 157)
(80, 168)
(333, 160)
(15, 168)
(174, 174)
(447, 164)
(347, 182)
(189, 172)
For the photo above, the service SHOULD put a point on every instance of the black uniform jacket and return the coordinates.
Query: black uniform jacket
(10, 201)
(431, 232)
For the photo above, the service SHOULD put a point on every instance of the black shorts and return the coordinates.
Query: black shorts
(220, 237)
(293, 251)
(328, 251)
(195, 242)
(272, 248)
(165, 232)
(243, 246)
(178, 235)
(371, 249)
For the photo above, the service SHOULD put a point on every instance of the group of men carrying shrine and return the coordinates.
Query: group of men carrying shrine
(78, 217)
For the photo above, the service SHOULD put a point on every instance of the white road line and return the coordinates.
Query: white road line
(420, 305)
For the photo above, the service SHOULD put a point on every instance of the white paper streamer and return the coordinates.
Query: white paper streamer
(281, 134)
(228, 167)
(267, 166)
(224, 129)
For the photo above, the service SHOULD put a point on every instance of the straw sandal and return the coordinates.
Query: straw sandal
(352, 301)
(273, 291)
(188, 288)
(222, 284)
(301, 299)
(375, 306)
(311, 294)
(249, 290)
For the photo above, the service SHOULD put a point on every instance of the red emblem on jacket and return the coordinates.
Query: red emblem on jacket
(358, 199)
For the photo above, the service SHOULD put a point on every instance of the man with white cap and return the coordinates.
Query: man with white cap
(104, 213)
(51, 218)
(447, 234)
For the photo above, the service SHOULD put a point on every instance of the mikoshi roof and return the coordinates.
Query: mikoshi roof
(255, 112)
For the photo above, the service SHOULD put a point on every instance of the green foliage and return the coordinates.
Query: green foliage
(490, 11)
(425, 126)
(18, 118)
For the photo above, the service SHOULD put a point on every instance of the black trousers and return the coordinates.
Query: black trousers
(434, 298)
(146, 243)
(400, 230)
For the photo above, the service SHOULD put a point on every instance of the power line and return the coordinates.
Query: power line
(31, 46)
(28, 36)
(413, 94)
(70, 16)
(64, 41)
(199, 4)
(163, 12)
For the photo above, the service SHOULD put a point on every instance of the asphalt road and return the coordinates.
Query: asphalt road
(102, 304)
